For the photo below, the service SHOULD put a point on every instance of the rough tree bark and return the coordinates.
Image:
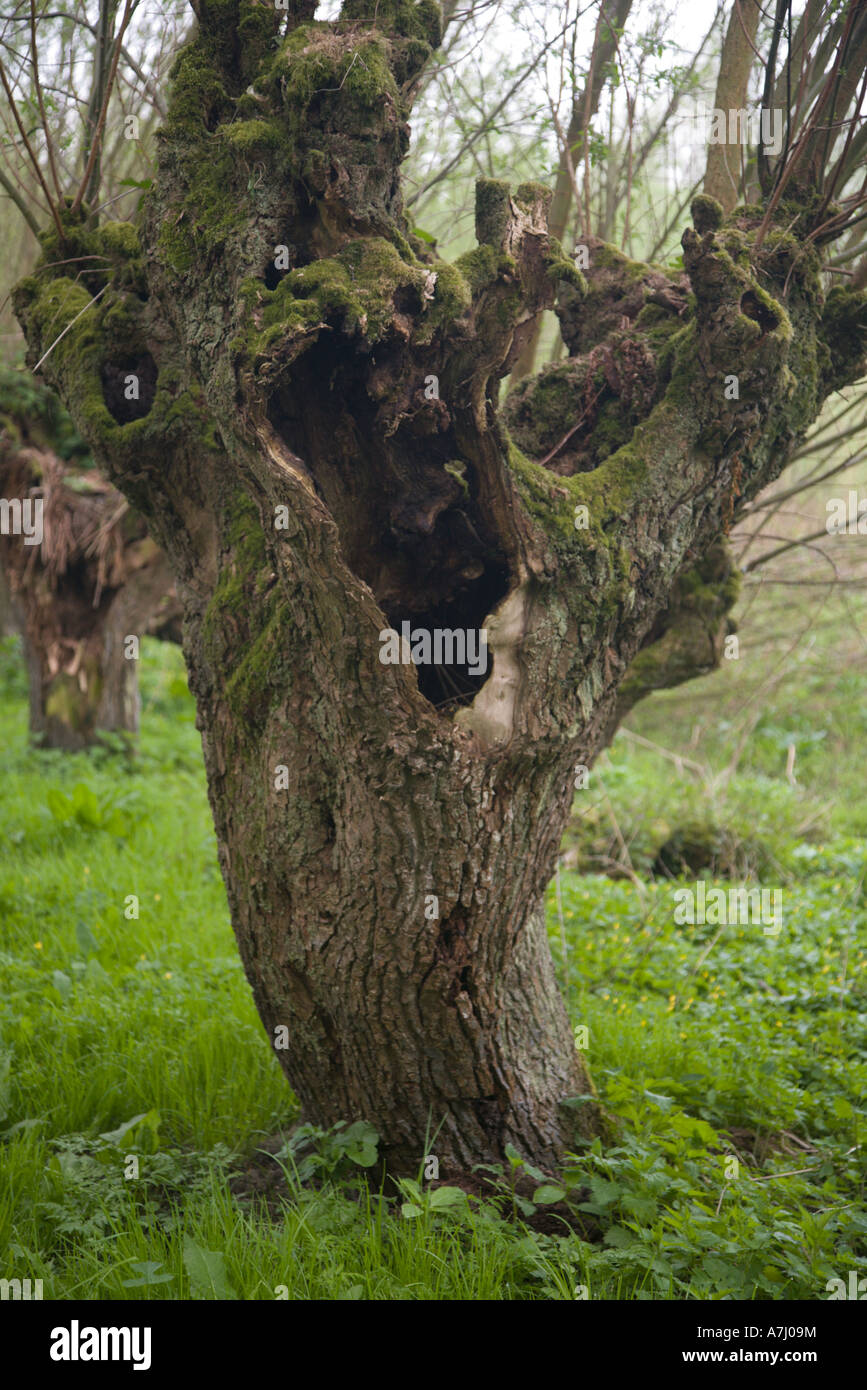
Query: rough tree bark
(320, 456)
(9, 617)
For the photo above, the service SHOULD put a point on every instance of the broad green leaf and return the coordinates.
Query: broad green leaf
(664, 1102)
(114, 1136)
(87, 942)
(724, 1274)
(85, 806)
(604, 1192)
(548, 1192)
(207, 1271)
(359, 1143)
(95, 974)
(59, 805)
(148, 1275)
(62, 984)
(642, 1208)
(619, 1238)
(446, 1198)
(575, 1102)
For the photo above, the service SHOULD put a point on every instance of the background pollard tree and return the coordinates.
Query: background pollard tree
(320, 454)
(93, 581)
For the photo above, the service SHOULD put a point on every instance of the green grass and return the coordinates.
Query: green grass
(706, 1045)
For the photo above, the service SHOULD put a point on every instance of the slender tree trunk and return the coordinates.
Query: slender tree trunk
(722, 177)
(570, 166)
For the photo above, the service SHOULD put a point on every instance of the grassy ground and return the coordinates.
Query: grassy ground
(735, 1062)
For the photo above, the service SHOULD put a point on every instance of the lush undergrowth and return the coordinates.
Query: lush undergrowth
(734, 1062)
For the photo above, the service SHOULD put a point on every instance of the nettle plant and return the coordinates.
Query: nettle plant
(300, 378)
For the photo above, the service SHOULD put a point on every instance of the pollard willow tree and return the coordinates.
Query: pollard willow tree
(93, 582)
(319, 452)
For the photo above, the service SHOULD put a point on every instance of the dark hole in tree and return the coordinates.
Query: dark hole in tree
(129, 386)
(273, 276)
(754, 309)
(289, 251)
(77, 619)
(451, 683)
(406, 299)
(213, 114)
(409, 526)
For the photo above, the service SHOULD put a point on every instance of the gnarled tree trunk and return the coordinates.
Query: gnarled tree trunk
(319, 452)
